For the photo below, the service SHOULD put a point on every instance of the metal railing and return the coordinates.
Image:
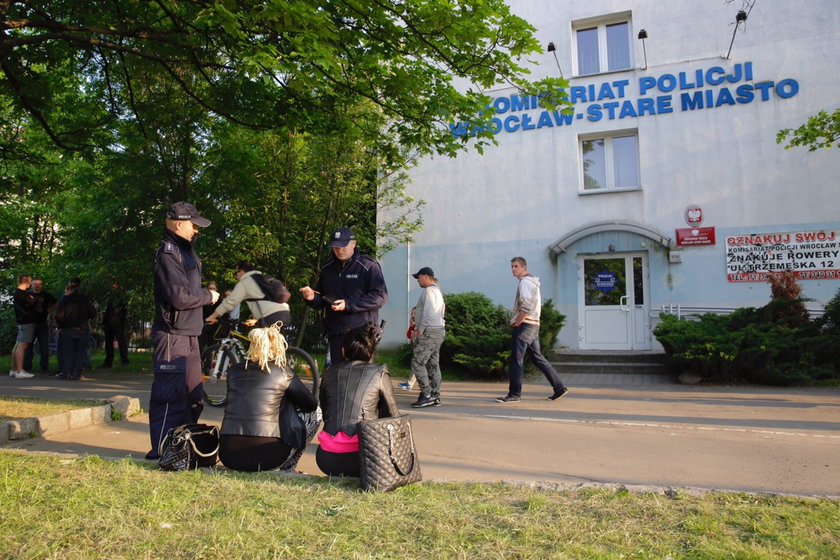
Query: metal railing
(694, 311)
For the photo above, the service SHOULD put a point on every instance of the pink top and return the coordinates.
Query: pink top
(339, 443)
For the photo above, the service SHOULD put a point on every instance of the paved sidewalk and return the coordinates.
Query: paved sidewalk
(631, 429)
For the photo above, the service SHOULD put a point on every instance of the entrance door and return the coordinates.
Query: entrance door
(614, 313)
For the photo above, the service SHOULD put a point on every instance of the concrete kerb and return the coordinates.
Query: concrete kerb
(118, 407)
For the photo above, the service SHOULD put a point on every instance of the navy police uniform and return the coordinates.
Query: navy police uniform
(360, 283)
(177, 388)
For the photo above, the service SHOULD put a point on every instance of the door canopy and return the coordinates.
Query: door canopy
(573, 236)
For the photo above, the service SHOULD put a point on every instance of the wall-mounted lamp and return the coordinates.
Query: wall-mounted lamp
(553, 50)
(642, 37)
(611, 248)
(740, 17)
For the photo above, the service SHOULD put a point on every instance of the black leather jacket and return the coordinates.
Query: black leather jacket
(254, 399)
(355, 391)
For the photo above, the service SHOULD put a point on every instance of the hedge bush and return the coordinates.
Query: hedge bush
(773, 345)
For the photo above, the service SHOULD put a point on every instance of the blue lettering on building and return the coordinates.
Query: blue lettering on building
(689, 90)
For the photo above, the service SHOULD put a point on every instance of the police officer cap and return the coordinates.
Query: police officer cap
(186, 211)
(341, 237)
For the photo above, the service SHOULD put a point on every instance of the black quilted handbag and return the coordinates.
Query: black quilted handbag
(388, 458)
(188, 447)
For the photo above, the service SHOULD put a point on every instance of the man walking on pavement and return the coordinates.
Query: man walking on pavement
(430, 332)
(176, 389)
(352, 289)
(526, 334)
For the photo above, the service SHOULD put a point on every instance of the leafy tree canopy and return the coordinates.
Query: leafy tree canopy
(821, 131)
(270, 63)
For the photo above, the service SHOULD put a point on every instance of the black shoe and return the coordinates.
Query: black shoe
(507, 398)
(152, 456)
(558, 394)
(423, 402)
(436, 401)
(62, 376)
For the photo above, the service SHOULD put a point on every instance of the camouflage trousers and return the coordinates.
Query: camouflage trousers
(425, 361)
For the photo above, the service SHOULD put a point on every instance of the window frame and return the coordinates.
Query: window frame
(601, 23)
(609, 161)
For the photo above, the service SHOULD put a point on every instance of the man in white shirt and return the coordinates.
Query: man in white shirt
(429, 327)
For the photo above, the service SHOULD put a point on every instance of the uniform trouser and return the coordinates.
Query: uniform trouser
(74, 343)
(117, 334)
(526, 338)
(335, 343)
(177, 389)
(42, 335)
(425, 361)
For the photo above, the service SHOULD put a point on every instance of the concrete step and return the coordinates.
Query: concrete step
(614, 362)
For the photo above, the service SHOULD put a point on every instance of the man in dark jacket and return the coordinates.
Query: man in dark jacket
(24, 303)
(179, 297)
(73, 316)
(44, 305)
(351, 287)
(113, 323)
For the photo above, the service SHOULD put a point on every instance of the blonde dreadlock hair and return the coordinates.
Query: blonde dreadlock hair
(268, 345)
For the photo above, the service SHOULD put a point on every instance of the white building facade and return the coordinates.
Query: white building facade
(664, 187)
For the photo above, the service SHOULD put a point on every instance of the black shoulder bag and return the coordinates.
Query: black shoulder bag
(188, 447)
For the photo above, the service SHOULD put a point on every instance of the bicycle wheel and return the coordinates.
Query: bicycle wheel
(214, 367)
(304, 366)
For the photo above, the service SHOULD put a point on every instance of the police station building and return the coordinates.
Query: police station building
(664, 189)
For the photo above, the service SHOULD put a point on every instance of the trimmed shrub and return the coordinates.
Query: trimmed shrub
(477, 335)
(772, 345)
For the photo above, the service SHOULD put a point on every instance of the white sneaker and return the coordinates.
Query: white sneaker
(23, 375)
(12, 373)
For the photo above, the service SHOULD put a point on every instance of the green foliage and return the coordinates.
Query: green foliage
(820, 131)
(772, 345)
(8, 328)
(477, 335)
(551, 323)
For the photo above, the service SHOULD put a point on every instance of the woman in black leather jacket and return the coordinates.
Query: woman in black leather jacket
(352, 391)
(250, 438)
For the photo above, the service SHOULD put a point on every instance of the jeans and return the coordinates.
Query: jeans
(74, 345)
(526, 338)
(42, 335)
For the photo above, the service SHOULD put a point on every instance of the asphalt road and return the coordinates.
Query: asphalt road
(633, 431)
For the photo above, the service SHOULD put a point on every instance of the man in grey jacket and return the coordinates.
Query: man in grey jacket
(526, 334)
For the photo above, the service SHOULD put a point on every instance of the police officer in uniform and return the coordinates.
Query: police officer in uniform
(179, 297)
(351, 288)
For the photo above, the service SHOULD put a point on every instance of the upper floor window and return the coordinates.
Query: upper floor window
(610, 161)
(602, 45)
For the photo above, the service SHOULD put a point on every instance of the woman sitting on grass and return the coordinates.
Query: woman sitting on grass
(250, 436)
(352, 391)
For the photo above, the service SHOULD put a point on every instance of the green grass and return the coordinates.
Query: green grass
(91, 508)
(27, 407)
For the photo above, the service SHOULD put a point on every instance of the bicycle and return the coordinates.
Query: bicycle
(232, 349)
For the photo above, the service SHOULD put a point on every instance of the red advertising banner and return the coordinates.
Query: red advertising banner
(811, 255)
(695, 236)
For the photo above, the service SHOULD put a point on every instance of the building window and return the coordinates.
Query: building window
(610, 162)
(602, 45)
